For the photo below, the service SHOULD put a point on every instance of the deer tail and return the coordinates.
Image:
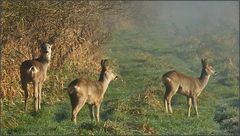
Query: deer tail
(32, 69)
(165, 79)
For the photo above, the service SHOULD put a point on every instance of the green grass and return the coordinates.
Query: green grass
(134, 106)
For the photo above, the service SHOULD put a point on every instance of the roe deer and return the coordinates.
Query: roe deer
(83, 91)
(176, 82)
(35, 71)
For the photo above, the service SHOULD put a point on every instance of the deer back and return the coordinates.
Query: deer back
(32, 70)
(183, 83)
(85, 87)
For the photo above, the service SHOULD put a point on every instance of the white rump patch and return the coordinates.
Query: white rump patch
(77, 88)
(33, 69)
(168, 79)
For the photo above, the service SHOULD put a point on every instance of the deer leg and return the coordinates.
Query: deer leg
(74, 102)
(169, 99)
(24, 87)
(77, 108)
(195, 105)
(171, 90)
(174, 88)
(189, 105)
(91, 111)
(97, 112)
(165, 100)
(166, 105)
(35, 86)
(39, 95)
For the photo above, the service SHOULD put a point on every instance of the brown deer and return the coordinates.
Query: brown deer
(176, 82)
(35, 71)
(83, 91)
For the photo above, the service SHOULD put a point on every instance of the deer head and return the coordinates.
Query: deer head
(107, 72)
(110, 75)
(207, 68)
(46, 50)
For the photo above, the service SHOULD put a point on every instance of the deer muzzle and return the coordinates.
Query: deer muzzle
(116, 78)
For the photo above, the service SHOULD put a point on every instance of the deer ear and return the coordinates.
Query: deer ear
(43, 44)
(104, 62)
(204, 61)
(40, 42)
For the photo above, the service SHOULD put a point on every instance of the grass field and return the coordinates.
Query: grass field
(135, 105)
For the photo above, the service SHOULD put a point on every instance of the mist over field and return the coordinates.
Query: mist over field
(199, 14)
(188, 18)
(185, 13)
(142, 40)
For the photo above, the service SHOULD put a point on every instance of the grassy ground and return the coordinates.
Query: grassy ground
(134, 105)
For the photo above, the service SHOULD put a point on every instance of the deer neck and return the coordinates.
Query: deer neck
(45, 60)
(203, 79)
(101, 77)
(104, 82)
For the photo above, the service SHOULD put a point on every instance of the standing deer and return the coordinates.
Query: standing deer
(176, 82)
(83, 91)
(35, 71)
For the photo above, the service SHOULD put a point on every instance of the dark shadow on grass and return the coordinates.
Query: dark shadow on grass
(62, 113)
(109, 110)
(89, 126)
(235, 103)
(35, 114)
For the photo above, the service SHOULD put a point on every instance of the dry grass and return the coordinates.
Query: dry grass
(77, 40)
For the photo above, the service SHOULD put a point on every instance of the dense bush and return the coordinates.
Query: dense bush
(77, 31)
